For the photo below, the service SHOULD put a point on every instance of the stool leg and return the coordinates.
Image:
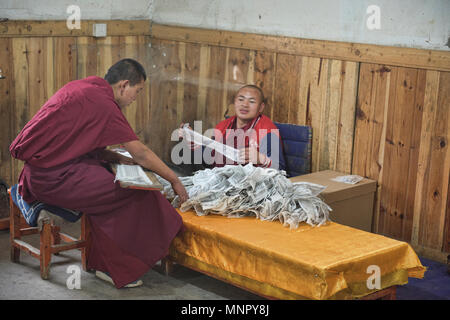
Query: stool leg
(56, 238)
(14, 230)
(45, 250)
(15, 254)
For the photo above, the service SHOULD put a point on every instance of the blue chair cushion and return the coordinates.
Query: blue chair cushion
(31, 211)
(297, 141)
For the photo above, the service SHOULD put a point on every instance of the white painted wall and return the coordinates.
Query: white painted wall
(90, 9)
(409, 23)
(406, 23)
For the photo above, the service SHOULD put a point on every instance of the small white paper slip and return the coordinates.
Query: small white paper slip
(197, 138)
(123, 152)
(350, 179)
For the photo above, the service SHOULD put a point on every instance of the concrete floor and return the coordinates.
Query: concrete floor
(22, 280)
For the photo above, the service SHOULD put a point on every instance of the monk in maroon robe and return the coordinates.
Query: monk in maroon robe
(63, 147)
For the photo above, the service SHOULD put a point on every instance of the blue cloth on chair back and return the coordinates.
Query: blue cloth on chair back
(297, 142)
(31, 212)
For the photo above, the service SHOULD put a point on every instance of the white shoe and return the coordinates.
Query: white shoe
(104, 276)
(134, 284)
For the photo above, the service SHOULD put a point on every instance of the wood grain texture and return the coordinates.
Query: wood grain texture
(191, 83)
(37, 64)
(399, 56)
(370, 127)
(21, 110)
(128, 48)
(142, 53)
(376, 118)
(64, 66)
(434, 159)
(397, 159)
(286, 88)
(6, 110)
(164, 83)
(87, 57)
(264, 71)
(401, 141)
(57, 28)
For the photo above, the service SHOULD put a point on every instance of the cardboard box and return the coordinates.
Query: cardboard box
(352, 204)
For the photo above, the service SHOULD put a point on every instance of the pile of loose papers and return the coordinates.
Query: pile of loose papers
(237, 191)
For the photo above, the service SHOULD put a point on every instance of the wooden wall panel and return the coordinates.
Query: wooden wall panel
(37, 73)
(264, 72)
(216, 86)
(191, 74)
(345, 128)
(156, 83)
(344, 51)
(313, 100)
(139, 48)
(401, 139)
(434, 162)
(163, 101)
(370, 128)
(6, 109)
(127, 47)
(398, 159)
(168, 98)
(180, 83)
(415, 141)
(203, 81)
(64, 61)
(58, 28)
(337, 124)
(21, 108)
(87, 57)
(286, 93)
(380, 116)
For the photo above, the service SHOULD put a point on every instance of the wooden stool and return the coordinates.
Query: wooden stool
(50, 240)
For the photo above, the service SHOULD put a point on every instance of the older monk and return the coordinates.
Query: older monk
(63, 147)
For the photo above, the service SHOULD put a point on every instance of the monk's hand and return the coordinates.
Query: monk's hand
(180, 131)
(181, 135)
(179, 189)
(251, 154)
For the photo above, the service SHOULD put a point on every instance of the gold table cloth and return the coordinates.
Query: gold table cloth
(326, 262)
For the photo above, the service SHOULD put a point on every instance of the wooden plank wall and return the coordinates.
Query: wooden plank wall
(401, 140)
(380, 112)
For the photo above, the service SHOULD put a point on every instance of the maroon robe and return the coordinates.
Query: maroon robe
(131, 229)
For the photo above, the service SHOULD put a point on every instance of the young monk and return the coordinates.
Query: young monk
(253, 133)
(63, 147)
